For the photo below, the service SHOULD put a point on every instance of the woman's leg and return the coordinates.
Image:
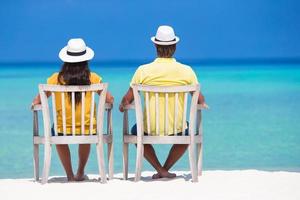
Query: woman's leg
(83, 153)
(65, 158)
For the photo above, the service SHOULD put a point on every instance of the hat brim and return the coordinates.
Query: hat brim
(165, 43)
(73, 59)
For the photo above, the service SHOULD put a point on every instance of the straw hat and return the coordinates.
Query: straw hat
(165, 36)
(76, 51)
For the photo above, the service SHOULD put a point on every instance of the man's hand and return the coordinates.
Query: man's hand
(204, 106)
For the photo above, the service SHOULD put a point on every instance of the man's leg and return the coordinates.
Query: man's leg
(175, 153)
(83, 153)
(65, 158)
(149, 154)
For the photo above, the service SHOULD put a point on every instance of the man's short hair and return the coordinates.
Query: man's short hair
(165, 51)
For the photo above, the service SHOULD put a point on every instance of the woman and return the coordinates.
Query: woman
(74, 71)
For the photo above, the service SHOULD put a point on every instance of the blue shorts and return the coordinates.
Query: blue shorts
(186, 132)
(53, 132)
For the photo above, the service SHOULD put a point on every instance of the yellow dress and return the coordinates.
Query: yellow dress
(94, 78)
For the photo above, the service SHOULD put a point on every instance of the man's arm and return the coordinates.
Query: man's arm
(201, 101)
(127, 99)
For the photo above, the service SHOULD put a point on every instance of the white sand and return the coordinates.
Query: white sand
(246, 184)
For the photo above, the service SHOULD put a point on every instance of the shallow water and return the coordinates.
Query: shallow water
(253, 121)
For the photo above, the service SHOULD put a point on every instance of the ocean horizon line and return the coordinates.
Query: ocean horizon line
(136, 62)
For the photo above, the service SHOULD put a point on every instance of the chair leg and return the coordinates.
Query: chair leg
(200, 157)
(36, 162)
(192, 158)
(110, 151)
(101, 165)
(47, 163)
(125, 161)
(139, 161)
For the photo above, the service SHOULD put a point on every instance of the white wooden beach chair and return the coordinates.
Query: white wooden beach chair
(194, 138)
(85, 138)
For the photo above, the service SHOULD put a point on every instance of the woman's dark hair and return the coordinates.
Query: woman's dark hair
(75, 74)
(165, 51)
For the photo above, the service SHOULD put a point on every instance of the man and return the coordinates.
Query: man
(163, 71)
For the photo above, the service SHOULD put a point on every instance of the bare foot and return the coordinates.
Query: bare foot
(71, 178)
(80, 177)
(167, 174)
(164, 174)
(156, 176)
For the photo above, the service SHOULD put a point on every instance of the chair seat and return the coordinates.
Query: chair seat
(90, 139)
(163, 139)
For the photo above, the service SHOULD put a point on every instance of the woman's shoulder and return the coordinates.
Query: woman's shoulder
(53, 78)
(95, 78)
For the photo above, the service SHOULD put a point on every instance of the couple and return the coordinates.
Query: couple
(163, 71)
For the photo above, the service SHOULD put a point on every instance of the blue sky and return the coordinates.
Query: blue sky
(35, 31)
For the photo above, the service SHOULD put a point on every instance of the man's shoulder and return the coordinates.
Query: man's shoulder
(144, 66)
(185, 67)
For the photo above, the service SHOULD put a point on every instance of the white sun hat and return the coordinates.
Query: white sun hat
(76, 51)
(165, 36)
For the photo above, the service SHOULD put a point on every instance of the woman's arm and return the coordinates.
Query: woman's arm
(127, 99)
(37, 99)
(109, 98)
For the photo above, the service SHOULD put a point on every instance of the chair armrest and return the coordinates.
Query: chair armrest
(200, 107)
(35, 119)
(36, 107)
(108, 109)
(130, 106)
(199, 119)
(108, 106)
(125, 118)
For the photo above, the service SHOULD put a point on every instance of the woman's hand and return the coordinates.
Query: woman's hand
(36, 101)
(126, 100)
(109, 98)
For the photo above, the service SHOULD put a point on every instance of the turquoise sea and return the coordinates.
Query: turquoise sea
(253, 123)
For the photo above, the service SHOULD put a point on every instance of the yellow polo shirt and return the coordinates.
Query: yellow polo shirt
(164, 72)
(94, 78)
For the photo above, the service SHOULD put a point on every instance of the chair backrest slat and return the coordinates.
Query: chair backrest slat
(73, 113)
(92, 112)
(147, 112)
(175, 113)
(63, 113)
(184, 112)
(166, 113)
(54, 113)
(178, 95)
(62, 109)
(156, 114)
(82, 112)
